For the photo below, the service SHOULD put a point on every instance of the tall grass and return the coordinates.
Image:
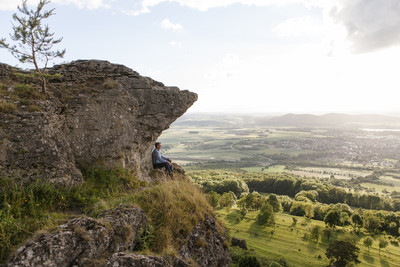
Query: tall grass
(174, 208)
(26, 208)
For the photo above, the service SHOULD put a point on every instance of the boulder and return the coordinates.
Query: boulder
(163, 175)
(96, 112)
(206, 245)
(82, 240)
(128, 260)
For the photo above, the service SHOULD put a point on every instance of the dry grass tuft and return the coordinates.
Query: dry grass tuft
(110, 83)
(174, 207)
(201, 242)
(7, 107)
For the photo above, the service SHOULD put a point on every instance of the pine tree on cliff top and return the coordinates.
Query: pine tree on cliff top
(33, 40)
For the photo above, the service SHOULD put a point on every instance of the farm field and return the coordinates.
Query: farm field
(319, 153)
(292, 245)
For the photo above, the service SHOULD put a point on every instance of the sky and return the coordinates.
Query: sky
(242, 56)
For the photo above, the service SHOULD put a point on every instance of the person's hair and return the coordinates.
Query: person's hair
(156, 144)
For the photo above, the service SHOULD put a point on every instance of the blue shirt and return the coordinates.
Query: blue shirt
(157, 158)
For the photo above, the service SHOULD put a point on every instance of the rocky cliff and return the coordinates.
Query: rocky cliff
(96, 112)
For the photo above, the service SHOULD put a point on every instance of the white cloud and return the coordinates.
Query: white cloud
(204, 5)
(370, 25)
(8, 4)
(167, 24)
(176, 44)
(300, 26)
(90, 4)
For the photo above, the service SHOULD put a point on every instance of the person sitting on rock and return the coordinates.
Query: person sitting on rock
(160, 161)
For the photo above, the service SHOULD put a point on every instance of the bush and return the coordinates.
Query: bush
(27, 91)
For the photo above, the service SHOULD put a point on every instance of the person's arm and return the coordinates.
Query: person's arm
(165, 158)
(160, 158)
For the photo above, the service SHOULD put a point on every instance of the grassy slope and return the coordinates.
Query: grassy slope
(174, 207)
(286, 243)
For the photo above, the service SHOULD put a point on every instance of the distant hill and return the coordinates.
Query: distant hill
(334, 120)
(330, 120)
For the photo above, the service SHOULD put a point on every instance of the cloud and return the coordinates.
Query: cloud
(167, 24)
(134, 12)
(176, 44)
(370, 24)
(300, 26)
(90, 4)
(204, 5)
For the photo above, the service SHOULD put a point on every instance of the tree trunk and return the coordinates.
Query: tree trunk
(44, 85)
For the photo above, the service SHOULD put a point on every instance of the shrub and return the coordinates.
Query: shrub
(27, 91)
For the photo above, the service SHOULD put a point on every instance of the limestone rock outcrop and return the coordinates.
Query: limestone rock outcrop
(82, 240)
(96, 112)
(110, 240)
(206, 245)
(127, 259)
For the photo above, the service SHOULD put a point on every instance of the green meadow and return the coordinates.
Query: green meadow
(289, 241)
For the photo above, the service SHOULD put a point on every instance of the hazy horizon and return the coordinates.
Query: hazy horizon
(273, 114)
(242, 56)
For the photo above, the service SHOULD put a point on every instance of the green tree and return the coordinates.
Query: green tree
(243, 211)
(315, 232)
(327, 232)
(213, 198)
(372, 222)
(34, 41)
(333, 218)
(266, 215)
(227, 199)
(274, 202)
(357, 220)
(294, 219)
(383, 243)
(341, 252)
(368, 241)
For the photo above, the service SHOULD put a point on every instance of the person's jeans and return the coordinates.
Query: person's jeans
(165, 165)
